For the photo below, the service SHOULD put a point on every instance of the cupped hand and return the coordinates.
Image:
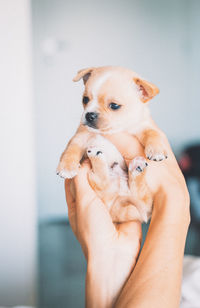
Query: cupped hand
(110, 249)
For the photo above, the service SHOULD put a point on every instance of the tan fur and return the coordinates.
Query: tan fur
(101, 172)
(143, 196)
(121, 86)
(72, 156)
(135, 205)
(148, 89)
(83, 73)
(153, 143)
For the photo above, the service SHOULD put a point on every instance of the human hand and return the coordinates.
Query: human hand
(156, 278)
(110, 249)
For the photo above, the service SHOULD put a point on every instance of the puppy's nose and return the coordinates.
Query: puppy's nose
(91, 116)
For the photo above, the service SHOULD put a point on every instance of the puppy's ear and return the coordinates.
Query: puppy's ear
(84, 73)
(146, 89)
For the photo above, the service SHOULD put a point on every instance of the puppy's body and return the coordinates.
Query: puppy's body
(121, 189)
(114, 100)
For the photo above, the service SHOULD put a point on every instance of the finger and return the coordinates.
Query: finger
(70, 204)
(68, 193)
(70, 199)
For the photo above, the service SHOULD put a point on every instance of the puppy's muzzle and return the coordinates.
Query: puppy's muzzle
(91, 118)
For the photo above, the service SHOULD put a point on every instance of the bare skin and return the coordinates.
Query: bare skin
(113, 276)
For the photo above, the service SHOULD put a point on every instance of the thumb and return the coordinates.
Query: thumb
(84, 192)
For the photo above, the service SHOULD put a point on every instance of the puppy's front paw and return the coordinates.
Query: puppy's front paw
(94, 152)
(137, 165)
(155, 152)
(67, 170)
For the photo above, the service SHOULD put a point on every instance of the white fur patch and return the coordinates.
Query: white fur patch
(118, 173)
(98, 85)
(93, 105)
(137, 165)
(67, 174)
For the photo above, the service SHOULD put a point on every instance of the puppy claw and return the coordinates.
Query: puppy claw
(67, 174)
(139, 169)
(67, 171)
(157, 157)
(137, 165)
(94, 151)
(155, 154)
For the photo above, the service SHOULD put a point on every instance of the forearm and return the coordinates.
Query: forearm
(108, 273)
(156, 279)
(105, 279)
(99, 288)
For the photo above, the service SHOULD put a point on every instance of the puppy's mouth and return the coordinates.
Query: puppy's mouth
(92, 125)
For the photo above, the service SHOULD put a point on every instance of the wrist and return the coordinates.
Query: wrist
(106, 277)
(173, 206)
(100, 285)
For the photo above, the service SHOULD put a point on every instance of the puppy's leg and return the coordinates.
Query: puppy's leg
(139, 189)
(123, 209)
(99, 175)
(70, 159)
(100, 180)
(153, 144)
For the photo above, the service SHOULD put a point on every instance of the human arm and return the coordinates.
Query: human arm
(161, 256)
(110, 250)
(156, 279)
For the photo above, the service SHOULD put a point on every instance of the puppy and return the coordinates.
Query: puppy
(115, 100)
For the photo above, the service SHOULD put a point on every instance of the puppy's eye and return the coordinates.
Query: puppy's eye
(114, 106)
(85, 100)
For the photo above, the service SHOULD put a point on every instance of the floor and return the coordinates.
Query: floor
(62, 267)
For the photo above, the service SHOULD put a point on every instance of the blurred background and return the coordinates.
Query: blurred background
(43, 44)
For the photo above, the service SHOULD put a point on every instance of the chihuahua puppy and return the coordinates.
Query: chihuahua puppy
(115, 100)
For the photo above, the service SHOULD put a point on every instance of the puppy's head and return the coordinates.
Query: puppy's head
(113, 98)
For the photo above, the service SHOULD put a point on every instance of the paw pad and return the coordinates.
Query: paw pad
(93, 151)
(155, 154)
(66, 174)
(137, 165)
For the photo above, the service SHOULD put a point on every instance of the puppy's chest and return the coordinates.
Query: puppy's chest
(139, 127)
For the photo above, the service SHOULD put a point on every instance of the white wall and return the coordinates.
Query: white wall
(193, 104)
(154, 38)
(17, 171)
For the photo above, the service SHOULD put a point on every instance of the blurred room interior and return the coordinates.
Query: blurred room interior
(44, 43)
